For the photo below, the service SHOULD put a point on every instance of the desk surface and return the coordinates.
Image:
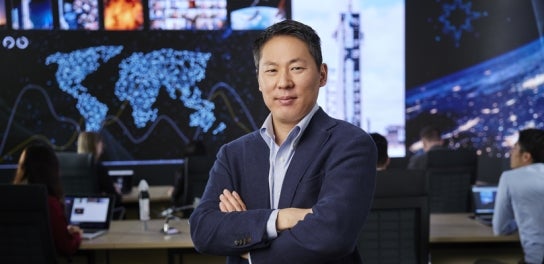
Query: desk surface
(130, 234)
(460, 228)
(157, 193)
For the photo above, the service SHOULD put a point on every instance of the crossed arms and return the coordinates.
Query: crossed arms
(287, 217)
(325, 201)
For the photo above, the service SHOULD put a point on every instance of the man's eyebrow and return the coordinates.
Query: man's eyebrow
(295, 60)
(269, 63)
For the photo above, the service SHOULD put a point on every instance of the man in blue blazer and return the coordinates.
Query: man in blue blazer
(298, 190)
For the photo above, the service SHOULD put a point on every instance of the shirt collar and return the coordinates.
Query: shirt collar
(267, 131)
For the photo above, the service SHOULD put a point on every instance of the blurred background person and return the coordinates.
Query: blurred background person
(518, 205)
(431, 138)
(38, 164)
(92, 142)
(383, 156)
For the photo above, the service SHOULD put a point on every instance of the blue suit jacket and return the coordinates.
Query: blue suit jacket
(332, 171)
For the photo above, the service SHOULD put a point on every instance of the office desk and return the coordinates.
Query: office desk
(454, 238)
(460, 228)
(128, 242)
(457, 238)
(130, 234)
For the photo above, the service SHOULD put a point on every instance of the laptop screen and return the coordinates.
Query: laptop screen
(89, 211)
(484, 199)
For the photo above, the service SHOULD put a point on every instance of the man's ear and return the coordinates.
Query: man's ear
(526, 157)
(323, 74)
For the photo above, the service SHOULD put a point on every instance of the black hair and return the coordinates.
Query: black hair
(381, 145)
(532, 140)
(39, 165)
(430, 133)
(289, 28)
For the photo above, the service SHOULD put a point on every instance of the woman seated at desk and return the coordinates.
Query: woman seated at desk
(38, 164)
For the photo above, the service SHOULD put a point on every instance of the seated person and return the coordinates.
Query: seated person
(432, 139)
(381, 145)
(519, 205)
(92, 142)
(38, 164)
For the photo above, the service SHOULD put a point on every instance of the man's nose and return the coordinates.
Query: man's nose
(284, 80)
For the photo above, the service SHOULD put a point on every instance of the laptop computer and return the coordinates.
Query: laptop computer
(483, 198)
(92, 213)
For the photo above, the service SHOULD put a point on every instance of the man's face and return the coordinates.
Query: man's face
(289, 79)
(519, 158)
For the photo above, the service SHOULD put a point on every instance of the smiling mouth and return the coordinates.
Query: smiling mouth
(286, 99)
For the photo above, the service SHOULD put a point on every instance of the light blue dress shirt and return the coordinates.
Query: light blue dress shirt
(280, 158)
(520, 206)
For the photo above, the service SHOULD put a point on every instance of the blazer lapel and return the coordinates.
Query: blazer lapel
(316, 134)
(258, 167)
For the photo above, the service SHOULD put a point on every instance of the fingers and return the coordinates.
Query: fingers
(239, 200)
(74, 229)
(231, 202)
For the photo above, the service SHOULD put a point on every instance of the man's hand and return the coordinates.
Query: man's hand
(231, 202)
(289, 217)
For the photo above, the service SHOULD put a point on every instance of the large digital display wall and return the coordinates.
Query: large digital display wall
(177, 71)
(475, 69)
(149, 88)
(94, 76)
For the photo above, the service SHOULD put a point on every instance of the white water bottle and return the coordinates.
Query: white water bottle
(143, 198)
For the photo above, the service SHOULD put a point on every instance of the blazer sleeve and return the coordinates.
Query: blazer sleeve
(235, 233)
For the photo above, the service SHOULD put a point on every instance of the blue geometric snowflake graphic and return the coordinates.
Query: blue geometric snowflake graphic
(457, 17)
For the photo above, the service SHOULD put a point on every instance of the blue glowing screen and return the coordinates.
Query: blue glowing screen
(149, 93)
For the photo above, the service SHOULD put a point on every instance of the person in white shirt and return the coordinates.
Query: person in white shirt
(519, 203)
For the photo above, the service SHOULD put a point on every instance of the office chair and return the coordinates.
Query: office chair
(191, 182)
(25, 232)
(489, 169)
(77, 173)
(450, 174)
(397, 228)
